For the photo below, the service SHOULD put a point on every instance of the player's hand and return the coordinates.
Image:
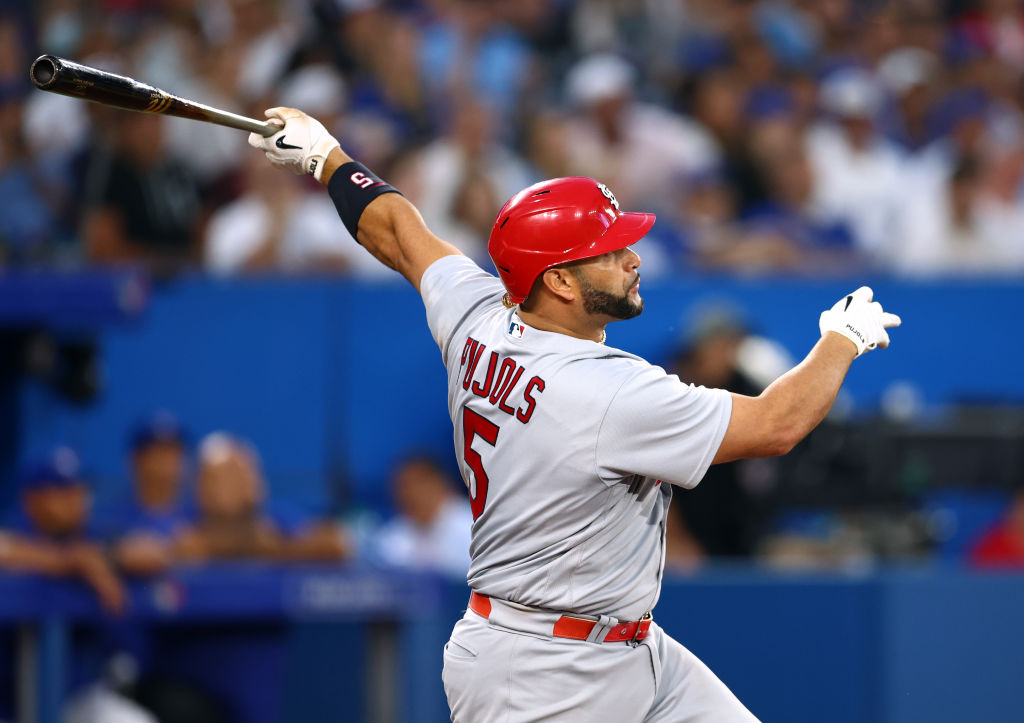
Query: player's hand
(88, 561)
(301, 145)
(860, 320)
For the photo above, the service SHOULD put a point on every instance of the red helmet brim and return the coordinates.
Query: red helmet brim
(628, 228)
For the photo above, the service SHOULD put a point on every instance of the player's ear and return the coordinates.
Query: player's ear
(561, 282)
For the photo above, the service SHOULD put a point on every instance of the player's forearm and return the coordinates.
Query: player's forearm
(318, 543)
(774, 422)
(796, 402)
(25, 556)
(392, 229)
(91, 564)
(378, 230)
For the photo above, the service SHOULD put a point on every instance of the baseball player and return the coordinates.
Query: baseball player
(569, 447)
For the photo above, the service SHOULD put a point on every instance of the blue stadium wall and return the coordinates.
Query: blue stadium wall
(334, 381)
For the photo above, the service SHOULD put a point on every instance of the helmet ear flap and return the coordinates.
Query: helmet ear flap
(506, 298)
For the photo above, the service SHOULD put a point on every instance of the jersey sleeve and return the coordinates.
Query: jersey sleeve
(453, 288)
(657, 426)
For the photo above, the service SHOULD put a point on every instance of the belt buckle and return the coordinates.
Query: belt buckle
(646, 618)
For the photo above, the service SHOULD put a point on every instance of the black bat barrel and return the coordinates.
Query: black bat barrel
(60, 75)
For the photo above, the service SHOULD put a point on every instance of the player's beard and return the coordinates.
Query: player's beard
(596, 301)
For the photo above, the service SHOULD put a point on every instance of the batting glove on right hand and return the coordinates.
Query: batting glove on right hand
(302, 144)
(860, 320)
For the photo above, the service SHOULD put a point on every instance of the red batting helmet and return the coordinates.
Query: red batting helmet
(549, 223)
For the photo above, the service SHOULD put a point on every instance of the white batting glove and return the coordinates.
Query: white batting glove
(860, 320)
(301, 145)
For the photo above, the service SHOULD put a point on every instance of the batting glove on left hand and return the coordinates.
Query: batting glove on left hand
(302, 144)
(860, 320)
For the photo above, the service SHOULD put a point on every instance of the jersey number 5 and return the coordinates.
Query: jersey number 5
(473, 425)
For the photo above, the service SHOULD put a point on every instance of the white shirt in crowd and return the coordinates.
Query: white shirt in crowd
(443, 546)
(658, 148)
(930, 243)
(861, 188)
(312, 234)
(440, 169)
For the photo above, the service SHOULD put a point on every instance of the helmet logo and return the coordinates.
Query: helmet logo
(607, 193)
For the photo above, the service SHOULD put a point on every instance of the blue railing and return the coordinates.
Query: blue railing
(282, 644)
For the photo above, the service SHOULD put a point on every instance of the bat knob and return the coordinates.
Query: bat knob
(43, 71)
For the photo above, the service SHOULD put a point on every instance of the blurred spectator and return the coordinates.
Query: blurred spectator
(546, 144)
(211, 154)
(33, 191)
(635, 148)
(1003, 545)
(233, 519)
(145, 528)
(469, 52)
(156, 511)
(858, 176)
(909, 74)
(722, 104)
(610, 25)
(389, 103)
(755, 60)
(159, 462)
(997, 26)
(267, 34)
(789, 230)
(319, 89)
(959, 120)
(433, 527)
(460, 181)
(278, 226)
(442, 97)
(789, 30)
(960, 229)
(51, 533)
(230, 496)
(697, 231)
(723, 516)
(140, 206)
(14, 45)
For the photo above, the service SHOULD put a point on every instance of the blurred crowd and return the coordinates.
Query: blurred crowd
(195, 503)
(791, 136)
(192, 504)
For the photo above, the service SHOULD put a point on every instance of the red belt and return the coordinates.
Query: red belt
(569, 626)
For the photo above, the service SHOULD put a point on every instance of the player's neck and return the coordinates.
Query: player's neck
(547, 322)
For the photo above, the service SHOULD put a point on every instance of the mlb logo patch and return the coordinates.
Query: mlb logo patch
(515, 329)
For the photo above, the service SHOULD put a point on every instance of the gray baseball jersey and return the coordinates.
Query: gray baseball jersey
(565, 445)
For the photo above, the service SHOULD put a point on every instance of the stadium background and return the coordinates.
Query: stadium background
(326, 366)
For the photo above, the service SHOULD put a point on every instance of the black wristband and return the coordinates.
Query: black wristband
(352, 187)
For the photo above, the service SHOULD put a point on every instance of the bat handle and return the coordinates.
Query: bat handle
(265, 129)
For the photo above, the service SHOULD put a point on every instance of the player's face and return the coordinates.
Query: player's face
(57, 510)
(159, 469)
(610, 284)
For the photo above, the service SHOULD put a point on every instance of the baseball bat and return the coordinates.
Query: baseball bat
(60, 75)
